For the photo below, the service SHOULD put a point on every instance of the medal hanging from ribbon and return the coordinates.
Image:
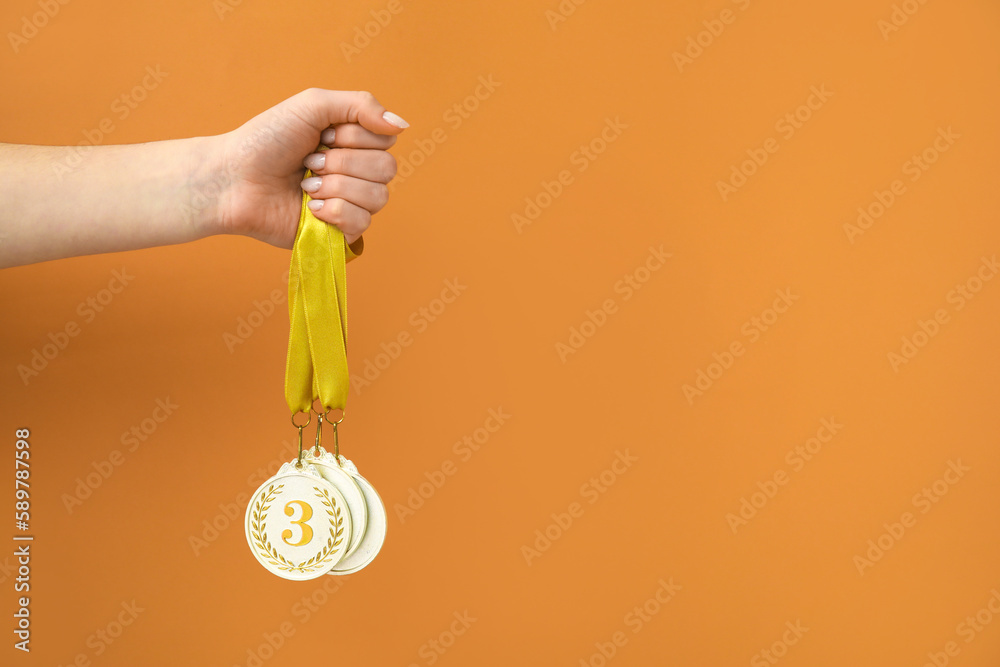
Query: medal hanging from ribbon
(317, 515)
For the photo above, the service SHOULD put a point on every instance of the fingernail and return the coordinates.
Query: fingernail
(315, 161)
(328, 136)
(393, 119)
(315, 204)
(312, 184)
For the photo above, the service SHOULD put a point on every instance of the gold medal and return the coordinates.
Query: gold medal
(316, 513)
(374, 535)
(329, 467)
(298, 524)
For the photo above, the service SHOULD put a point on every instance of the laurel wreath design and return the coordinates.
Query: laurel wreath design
(258, 530)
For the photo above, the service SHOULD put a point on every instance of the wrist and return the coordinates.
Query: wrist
(209, 182)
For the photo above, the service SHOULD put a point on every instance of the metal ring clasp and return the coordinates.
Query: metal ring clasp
(298, 463)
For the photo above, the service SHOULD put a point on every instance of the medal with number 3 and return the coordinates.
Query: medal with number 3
(317, 515)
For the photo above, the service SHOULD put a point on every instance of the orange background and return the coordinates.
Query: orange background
(665, 517)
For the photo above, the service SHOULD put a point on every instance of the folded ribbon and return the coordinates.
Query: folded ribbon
(317, 308)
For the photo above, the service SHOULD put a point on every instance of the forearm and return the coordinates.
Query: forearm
(117, 198)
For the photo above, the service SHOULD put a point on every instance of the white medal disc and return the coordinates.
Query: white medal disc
(327, 466)
(348, 465)
(374, 537)
(297, 524)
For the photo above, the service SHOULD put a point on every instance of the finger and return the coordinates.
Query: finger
(352, 135)
(368, 195)
(323, 108)
(370, 165)
(352, 220)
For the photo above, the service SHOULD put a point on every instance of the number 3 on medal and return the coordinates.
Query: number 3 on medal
(307, 532)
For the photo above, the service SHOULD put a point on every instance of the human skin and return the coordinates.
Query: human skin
(248, 181)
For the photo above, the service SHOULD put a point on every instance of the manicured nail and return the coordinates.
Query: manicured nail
(328, 136)
(315, 161)
(393, 119)
(312, 184)
(315, 204)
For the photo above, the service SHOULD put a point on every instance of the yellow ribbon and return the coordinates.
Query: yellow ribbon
(317, 308)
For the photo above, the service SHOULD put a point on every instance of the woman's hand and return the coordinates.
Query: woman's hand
(248, 181)
(263, 161)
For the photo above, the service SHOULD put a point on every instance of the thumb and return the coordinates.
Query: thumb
(323, 108)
